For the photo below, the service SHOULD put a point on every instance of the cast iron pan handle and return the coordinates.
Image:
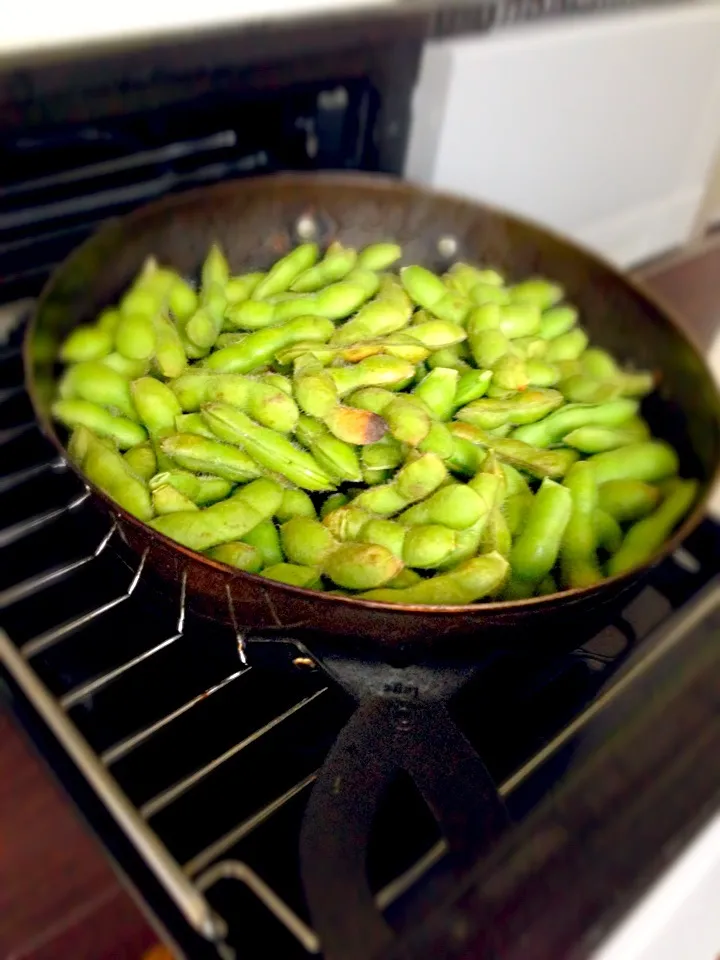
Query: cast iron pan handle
(386, 735)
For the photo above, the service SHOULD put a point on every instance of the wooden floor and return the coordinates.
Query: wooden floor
(58, 896)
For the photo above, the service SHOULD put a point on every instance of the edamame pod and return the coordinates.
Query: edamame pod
(533, 460)
(570, 417)
(108, 470)
(527, 407)
(294, 575)
(438, 390)
(156, 404)
(336, 457)
(467, 583)
(75, 412)
(591, 439)
(650, 461)
(306, 541)
(379, 256)
(361, 566)
(266, 447)
(557, 321)
(628, 500)
(86, 343)
(536, 549)
(142, 460)
(295, 503)
(167, 499)
(265, 537)
(537, 291)
(578, 553)
(93, 381)
(200, 455)
(257, 349)
(222, 522)
(201, 489)
(456, 506)
(238, 554)
(135, 336)
(284, 271)
(646, 536)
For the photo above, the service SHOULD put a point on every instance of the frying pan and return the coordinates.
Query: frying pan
(402, 721)
(255, 220)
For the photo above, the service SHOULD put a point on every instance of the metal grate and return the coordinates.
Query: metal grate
(205, 761)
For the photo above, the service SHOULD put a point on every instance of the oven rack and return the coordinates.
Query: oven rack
(190, 881)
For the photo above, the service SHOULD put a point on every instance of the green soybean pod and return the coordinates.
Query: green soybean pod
(438, 391)
(379, 256)
(239, 288)
(570, 417)
(423, 287)
(516, 508)
(265, 537)
(135, 336)
(222, 522)
(598, 439)
(215, 268)
(237, 554)
(519, 319)
(200, 455)
(86, 343)
(427, 546)
(541, 374)
(306, 541)
(182, 299)
(167, 499)
(568, 346)
(578, 553)
(108, 470)
(193, 423)
(537, 291)
(471, 385)
(650, 461)
(295, 503)
(284, 271)
(599, 364)
(470, 581)
(142, 460)
(607, 531)
(257, 349)
(386, 533)
(294, 575)
(75, 412)
(361, 566)
(333, 502)
(92, 380)
(156, 404)
(129, 369)
(557, 321)
(201, 489)
(628, 500)
(536, 548)
(646, 536)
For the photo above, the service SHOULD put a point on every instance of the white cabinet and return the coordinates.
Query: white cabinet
(604, 127)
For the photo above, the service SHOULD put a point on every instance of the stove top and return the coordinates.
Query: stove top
(195, 763)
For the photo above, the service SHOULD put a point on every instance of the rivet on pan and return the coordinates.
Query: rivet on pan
(447, 246)
(304, 662)
(306, 227)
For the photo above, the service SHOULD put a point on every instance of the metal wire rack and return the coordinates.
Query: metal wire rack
(203, 757)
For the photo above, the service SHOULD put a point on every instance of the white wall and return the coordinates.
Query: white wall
(604, 127)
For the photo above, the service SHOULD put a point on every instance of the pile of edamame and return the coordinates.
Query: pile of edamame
(392, 435)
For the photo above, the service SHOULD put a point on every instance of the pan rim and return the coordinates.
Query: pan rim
(378, 182)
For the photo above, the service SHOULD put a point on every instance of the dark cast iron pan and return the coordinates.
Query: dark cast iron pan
(402, 722)
(255, 220)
